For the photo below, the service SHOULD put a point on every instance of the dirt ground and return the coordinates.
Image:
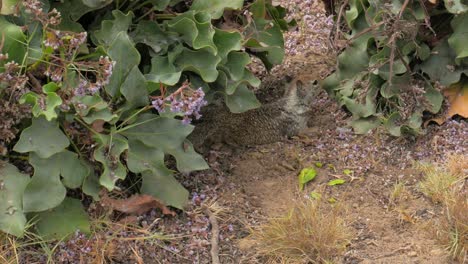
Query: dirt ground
(260, 181)
(246, 186)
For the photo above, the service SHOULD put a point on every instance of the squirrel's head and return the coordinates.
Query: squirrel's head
(300, 94)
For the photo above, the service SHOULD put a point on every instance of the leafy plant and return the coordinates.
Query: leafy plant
(306, 175)
(100, 91)
(399, 56)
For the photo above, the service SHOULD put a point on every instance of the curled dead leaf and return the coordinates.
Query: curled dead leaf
(457, 96)
(135, 205)
(98, 125)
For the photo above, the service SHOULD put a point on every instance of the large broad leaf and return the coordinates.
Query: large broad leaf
(43, 138)
(72, 169)
(71, 11)
(195, 29)
(97, 3)
(216, 7)
(45, 191)
(108, 154)
(7, 7)
(266, 41)
(126, 56)
(242, 100)
(41, 106)
(12, 185)
(150, 33)
(364, 125)
(63, 220)
(459, 37)
(110, 29)
(13, 43)
(158, 180)
(456, 6)
(227, 41)
(134, 88)
(201, 62)
(442, 54)
(160, 4)
(163, 71)
(168, 135)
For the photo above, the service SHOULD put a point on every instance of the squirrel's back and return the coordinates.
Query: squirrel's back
(272, 122)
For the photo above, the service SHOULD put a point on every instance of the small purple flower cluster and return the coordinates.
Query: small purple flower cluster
(70, 40)
(11, 77)
(34, 7)
(178, 102)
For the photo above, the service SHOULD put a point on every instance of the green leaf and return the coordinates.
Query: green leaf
(348, 172)
(187, 159)
(41, 106)
(242, 100)
(150, 33)
(456, 6)
(160, 5)
(134, 88)
(163, 71)
(266, 43)
(227, 41)
(63, 220)
(434, 97)
(315, 195)
(123, 52)
(7, 7)
(459, 37)
(364, 125)
(91, 185)
(158, 180)
(43, 138)
(97, 3)
(111, 29)
(108, 154)
(168, 135)
(45, 190)
(195, 29)
(216, 7)
(201, 62)
(166, 188)
(12, 185)
(236, 63)
(71, 11)
(442, 54)
(13, 43)
(336, 182)
(73, 170)
(391, 124)
(306, 175)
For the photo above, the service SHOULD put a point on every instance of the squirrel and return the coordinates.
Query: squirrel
(274, 121)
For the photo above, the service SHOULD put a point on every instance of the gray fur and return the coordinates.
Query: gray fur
(271, 122)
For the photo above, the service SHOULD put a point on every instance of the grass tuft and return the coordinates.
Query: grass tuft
(452, 228)
(446, 184)
(312, 231)
(437, 182)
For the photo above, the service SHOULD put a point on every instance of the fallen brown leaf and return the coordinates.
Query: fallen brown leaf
(98, 125)
(135, 205)
(457, 96)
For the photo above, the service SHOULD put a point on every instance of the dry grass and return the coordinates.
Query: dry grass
(311, 232)
(437, 182)
(452, 228)
(446, 184)
(399, 193)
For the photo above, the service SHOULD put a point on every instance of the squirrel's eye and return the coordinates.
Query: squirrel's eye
(315, 82)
